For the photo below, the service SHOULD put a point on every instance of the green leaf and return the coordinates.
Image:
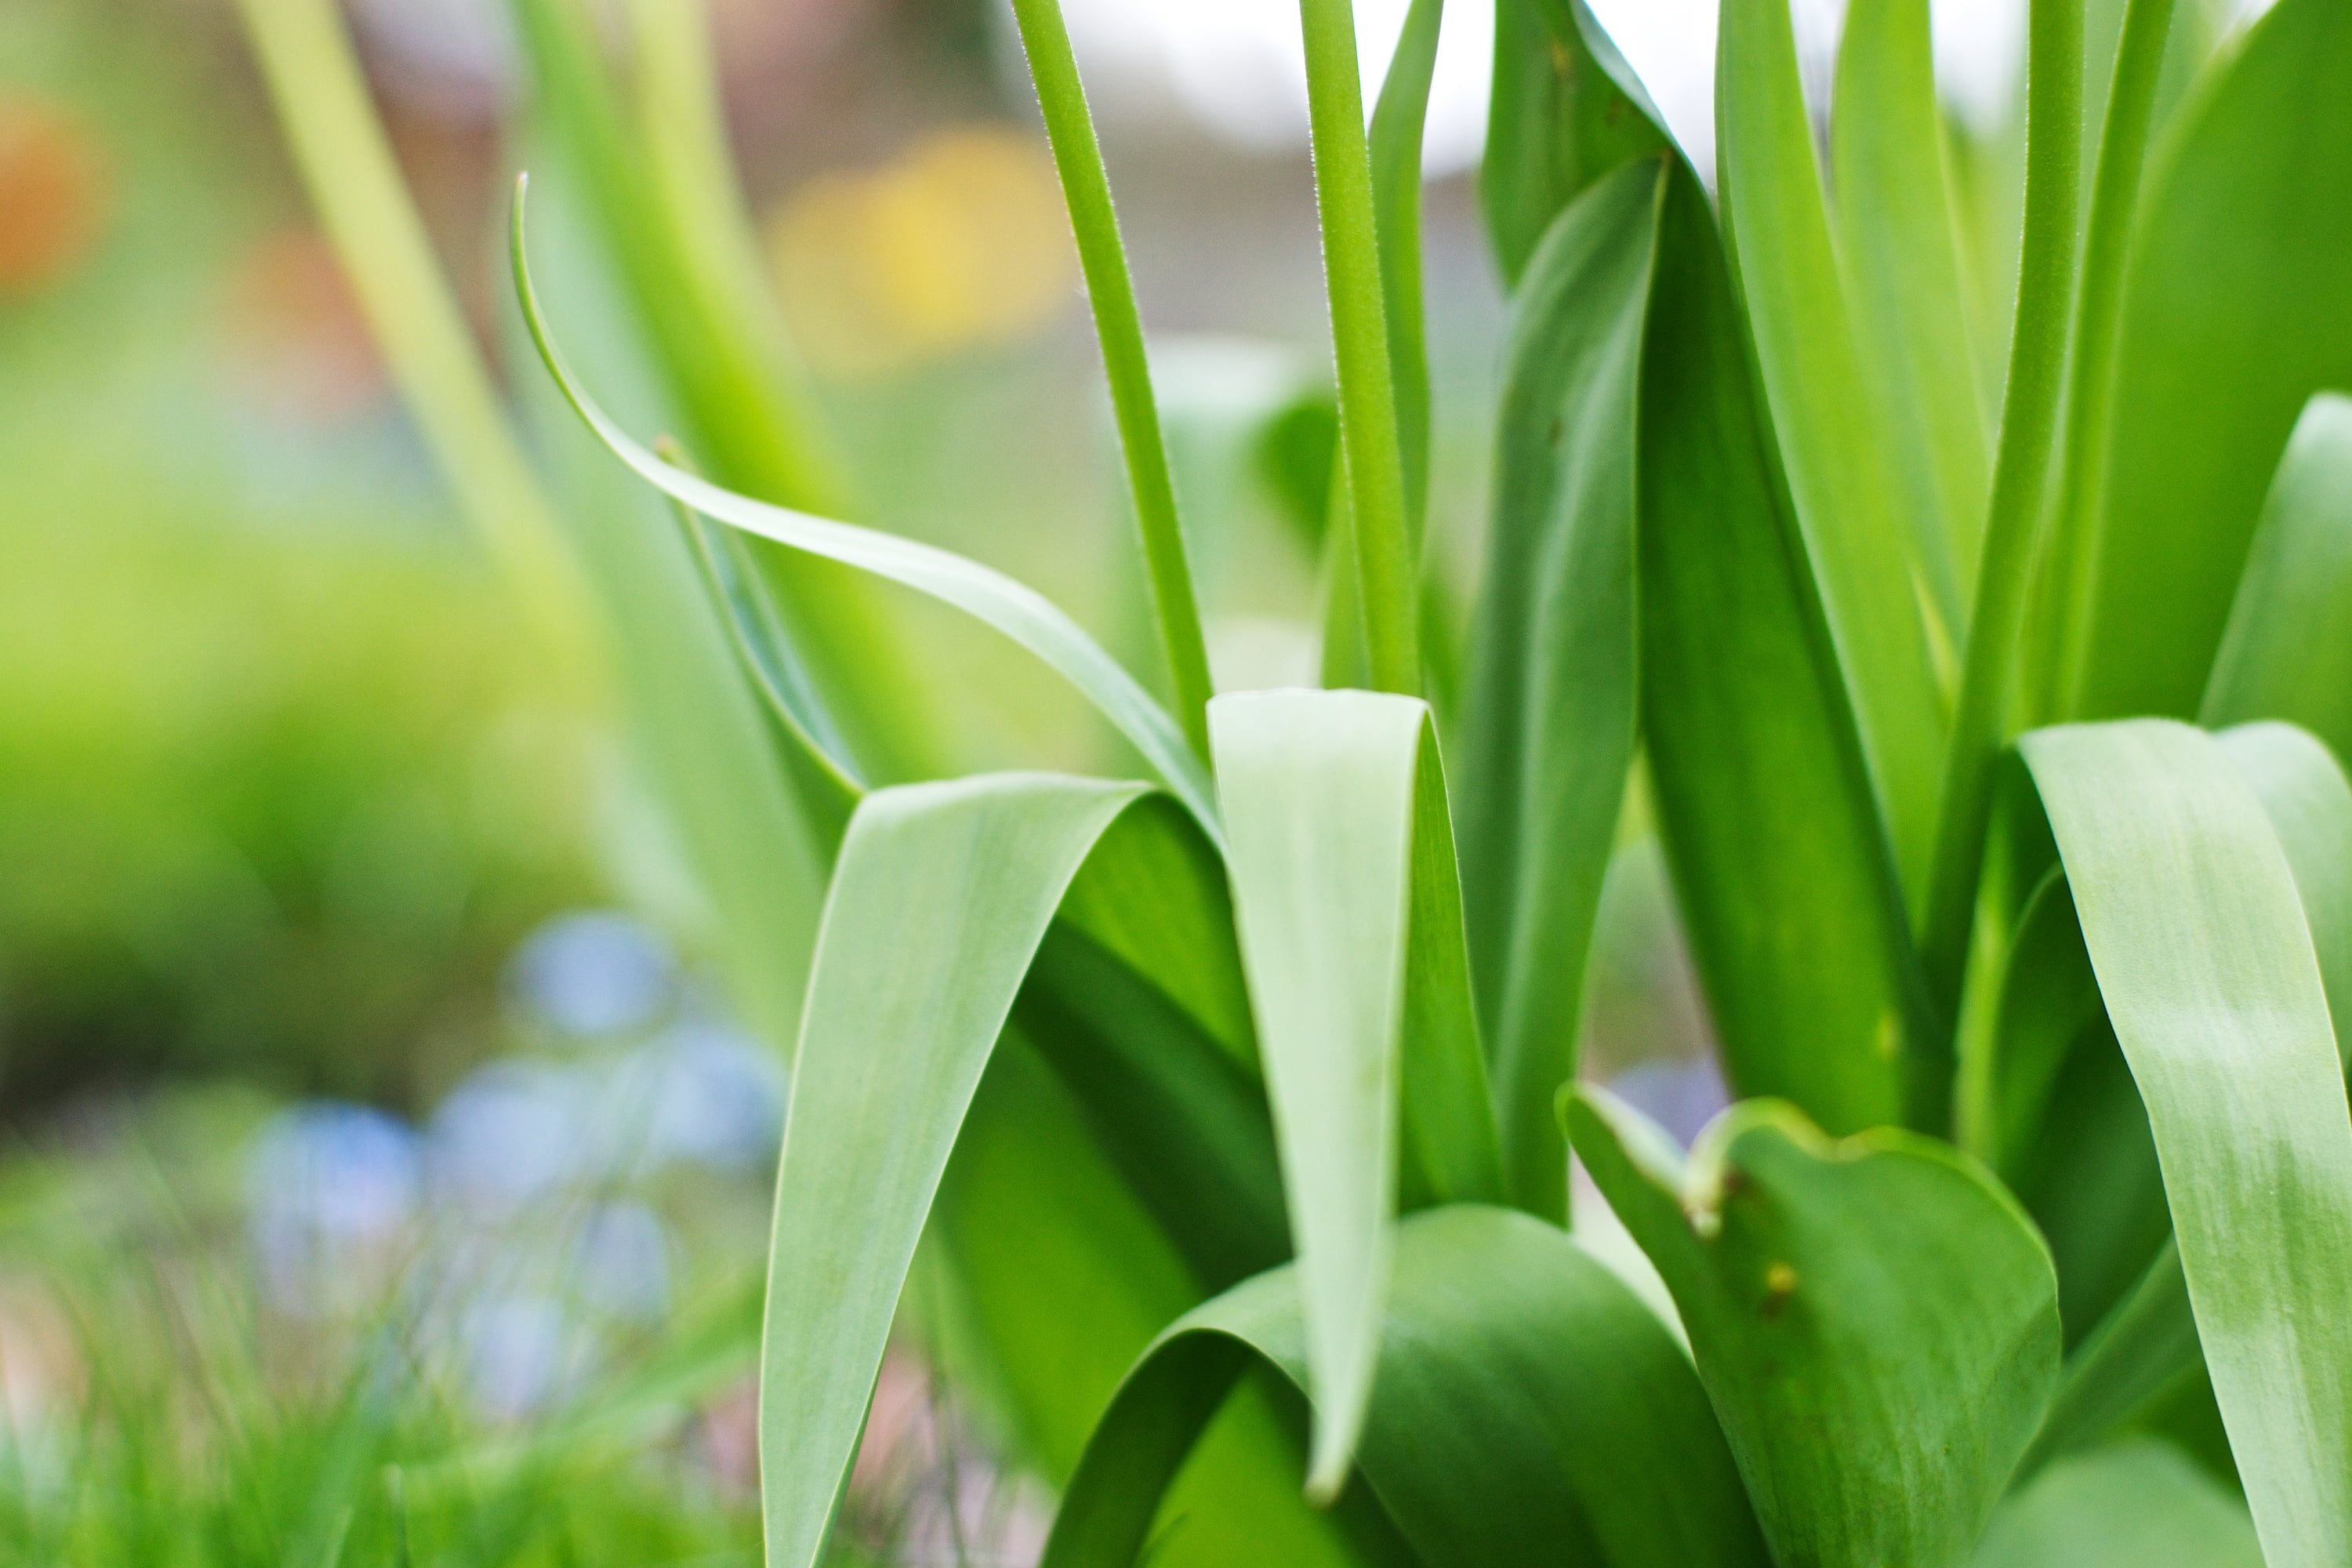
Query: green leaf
(2284, 655)
(2138, 1504)
(1394, 140)
(2304, 793)
(1874, 1320)
(2247, 220)
(1020, 612)
(1565, 111)
(1351, 922)
(1529, 1410)
(1550, 726)
(1872, 565)
(2195, 929)
(1764, 803)
(1896, 235)
(910, 989)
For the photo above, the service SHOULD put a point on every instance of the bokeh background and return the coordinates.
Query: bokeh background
(351, 996)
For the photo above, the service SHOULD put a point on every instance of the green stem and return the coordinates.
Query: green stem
(2066, 607)
(2037, 366)
(1118, 326)
(1360, 342)
(347, 164)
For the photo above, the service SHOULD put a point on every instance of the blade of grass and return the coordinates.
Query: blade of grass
(2196, 931)
(1020, 612)
(1118, 327)
(2030, 407)
(1387, 569)
(1351, 934)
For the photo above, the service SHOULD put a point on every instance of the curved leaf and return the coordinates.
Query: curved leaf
(1530, 1410)
(2305, 793)
(2287, 653)
(1901, 250)
(1865, 552)
(1350, 923)
(2241, 242)
(1017, 611)
(1874, 1320)
(1549, 727)
(2190, 913)
(2139, 1504)
(1394, 139)
(1764, 802)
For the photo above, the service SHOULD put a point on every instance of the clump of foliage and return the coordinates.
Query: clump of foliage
(1240, 1102)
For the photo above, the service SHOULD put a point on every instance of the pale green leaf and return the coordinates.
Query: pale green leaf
(2189, 910)
(1874, 1320)
(1349, 918)
(1530, 1410)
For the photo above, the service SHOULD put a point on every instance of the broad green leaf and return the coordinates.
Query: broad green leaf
(1564, 112)
(1018, 612)
(911, 984)
(2287, 653)
(1764, 803)
(2304, 793)
(2138, 1504)
(2190, 913)
(1874, 564)
(1897, 238)
(1550, 720)
(1874, 1320)
(1064, 1282)
(2247, 219)
(1351, 922)
(1529, 1410)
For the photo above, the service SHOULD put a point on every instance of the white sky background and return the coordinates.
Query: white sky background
(1237, 66)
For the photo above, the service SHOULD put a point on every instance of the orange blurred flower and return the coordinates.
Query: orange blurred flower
(52, 195)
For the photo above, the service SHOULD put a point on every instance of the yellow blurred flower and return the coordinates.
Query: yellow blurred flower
(960, 243)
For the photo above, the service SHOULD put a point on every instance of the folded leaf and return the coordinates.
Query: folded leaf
(1529, 1410)
(1782, 867)
(2190, 912)
(1866, 553)
(2287, 653)
(1351, 922)
(1017, 611)
(1874, 1320)
(1549, 721)
(2242, 241)
(2139, 1504)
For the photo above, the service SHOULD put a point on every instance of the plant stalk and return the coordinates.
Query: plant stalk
(1118, 327)
(1385, 561)
(2030, 409)
(347, 164)
(2065, 608)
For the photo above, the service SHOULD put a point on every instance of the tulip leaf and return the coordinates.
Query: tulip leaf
(1875, 1319)
(2238, 307)
(1351, 922)
(2137, 1504)
(1529, 1410)
(2190, 913)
